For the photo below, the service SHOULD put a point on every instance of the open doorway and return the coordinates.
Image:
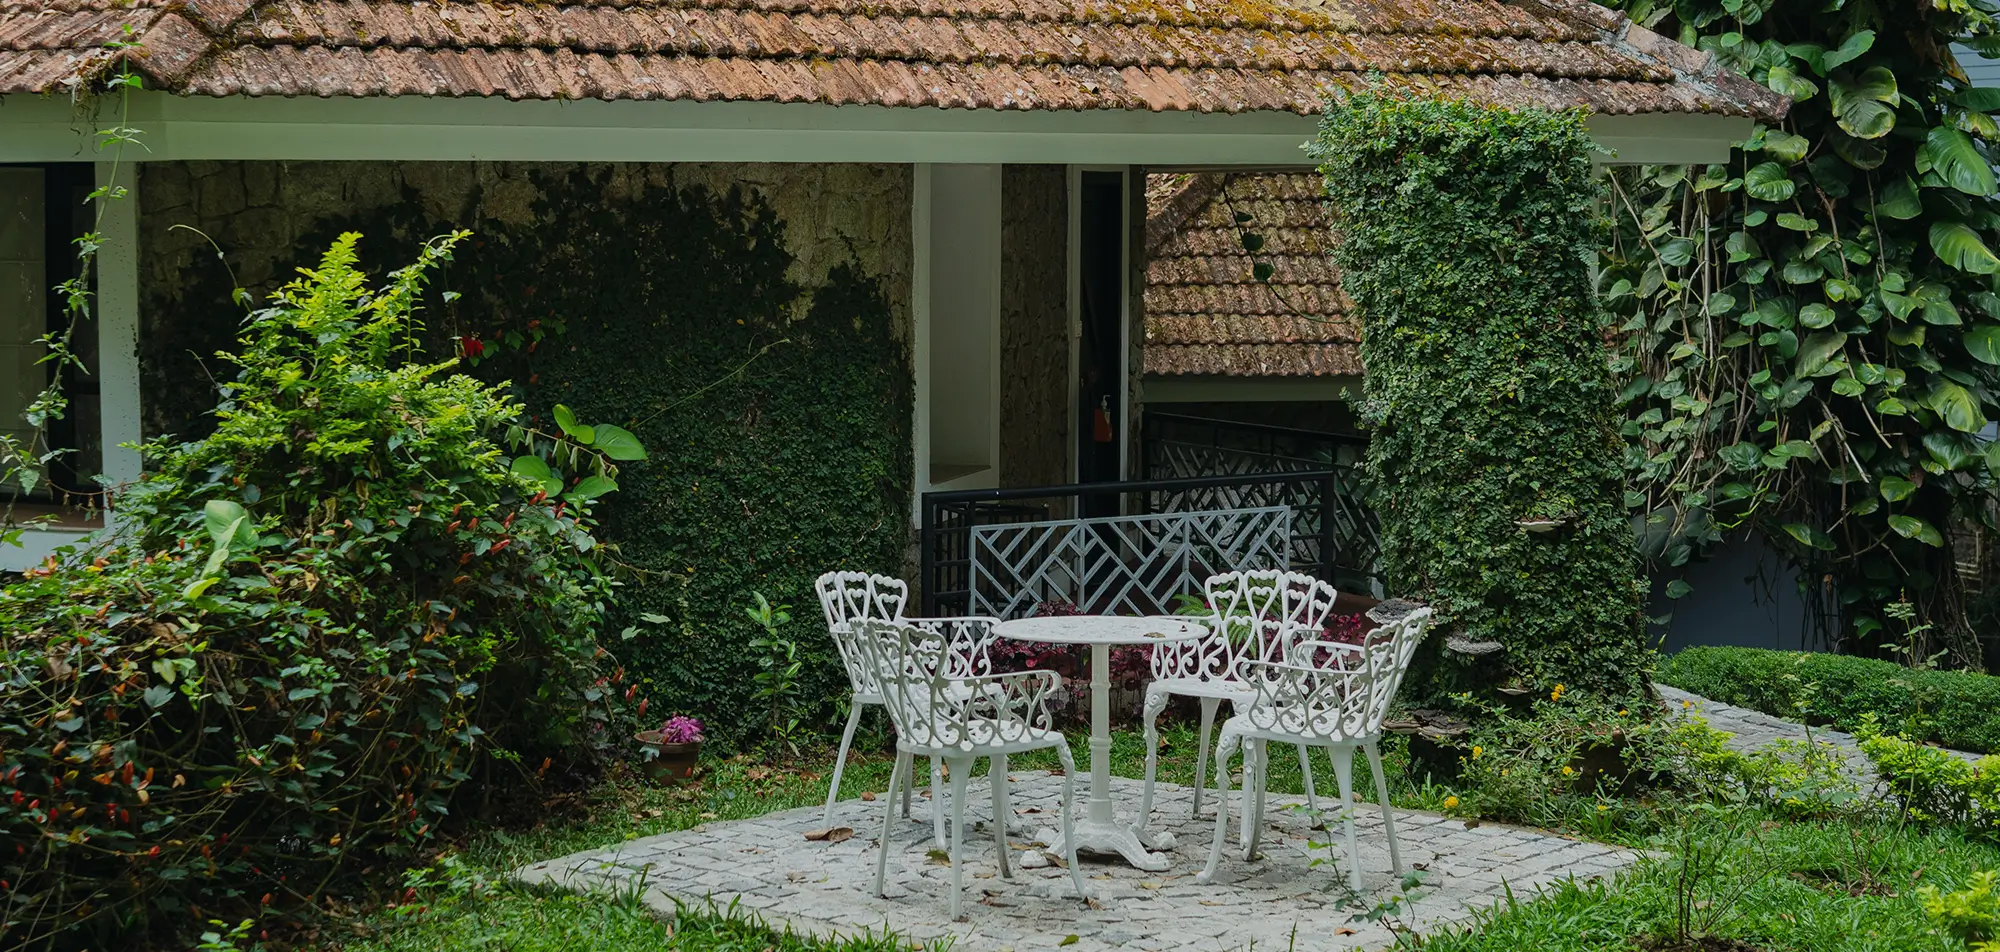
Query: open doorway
(1101, 293)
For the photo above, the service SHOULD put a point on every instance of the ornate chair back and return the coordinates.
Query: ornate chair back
(1330, 692)
(934, 709)
(1258, 615)
(847, 597)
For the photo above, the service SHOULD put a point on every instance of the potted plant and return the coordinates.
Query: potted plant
(669, 753)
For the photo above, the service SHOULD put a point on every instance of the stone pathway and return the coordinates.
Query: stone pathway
(1756, 729)
(1279, 902)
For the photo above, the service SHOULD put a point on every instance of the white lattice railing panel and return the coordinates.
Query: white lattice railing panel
(1121, 564)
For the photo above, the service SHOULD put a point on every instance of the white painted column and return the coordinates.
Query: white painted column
(920, 338)
(118, 325)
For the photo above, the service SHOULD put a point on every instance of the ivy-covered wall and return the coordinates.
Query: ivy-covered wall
(748, 322)
(1035, 426)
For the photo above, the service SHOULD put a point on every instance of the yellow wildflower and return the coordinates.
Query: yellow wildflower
(1569, 771)
(1621, 712)
(1450, 802)
(1476, 751)
(1557, 694)
(1601, 808)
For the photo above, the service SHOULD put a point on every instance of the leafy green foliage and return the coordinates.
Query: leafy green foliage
(1972, 914)
(1956, 709)
(1933, 785)
(775, 412)
(1465, 239)
(313, 630)
(1810, 330)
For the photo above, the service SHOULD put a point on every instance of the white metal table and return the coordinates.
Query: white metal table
(1099, 830)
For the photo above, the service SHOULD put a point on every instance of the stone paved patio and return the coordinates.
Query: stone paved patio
(766, 864)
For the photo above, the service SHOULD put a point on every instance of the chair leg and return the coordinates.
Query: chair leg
(937, 804)
(1343, 768)
(1306, 770)
(996, 774)
(1223, 750)
(1068, 832)
(1374, 750)
(1253, 779)
(1253, 803)
(1208, 706)
(840, 762)
(961, 771)
(909, 790)
(896, 775)
(1156, 702)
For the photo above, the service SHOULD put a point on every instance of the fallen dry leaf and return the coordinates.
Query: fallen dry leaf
(1343, 930)
(867, 795)
(939, 857)
(832, 834)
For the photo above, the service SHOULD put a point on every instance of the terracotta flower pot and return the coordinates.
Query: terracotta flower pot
(669, 763)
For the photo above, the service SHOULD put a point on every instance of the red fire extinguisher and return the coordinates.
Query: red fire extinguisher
(1100, 422)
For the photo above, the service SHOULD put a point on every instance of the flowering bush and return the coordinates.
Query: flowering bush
(681, 729)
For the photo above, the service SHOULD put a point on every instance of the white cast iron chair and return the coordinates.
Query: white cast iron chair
(959, 720)
(1257, 616)
(1325, 694)
(846, 597)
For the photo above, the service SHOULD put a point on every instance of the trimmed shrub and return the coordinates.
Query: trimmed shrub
(1466, 233)
(1954, 709)
(315, 630)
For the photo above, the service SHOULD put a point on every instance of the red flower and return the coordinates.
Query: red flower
(473, 346)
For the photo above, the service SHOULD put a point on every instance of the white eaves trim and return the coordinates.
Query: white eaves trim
(443, 129)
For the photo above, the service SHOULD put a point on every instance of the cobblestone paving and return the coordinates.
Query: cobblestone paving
(1755, 729)
(766, 864)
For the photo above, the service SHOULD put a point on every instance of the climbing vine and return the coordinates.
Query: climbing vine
(1811, 331)
(1465, 233)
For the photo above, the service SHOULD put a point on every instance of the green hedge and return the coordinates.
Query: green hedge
(1952, 708)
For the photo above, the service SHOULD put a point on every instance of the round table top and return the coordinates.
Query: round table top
(1100, 629)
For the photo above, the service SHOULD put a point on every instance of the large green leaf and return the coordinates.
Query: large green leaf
(1790, 84)
(1959, 246)
(227, 522)
(1900, 201)
(1978, 98)
(1895, 488)
(1787, 146)
(1768, 182)
(591, 487)
(1809, 536)
(1956, 406)
(1865, 107)
(1911, 527)
(1950, 450)
(1983, 343)
(1952, 155)
(1817, 350)
(576, 431)
(1849, 50)
(619, 443)
(536, 470)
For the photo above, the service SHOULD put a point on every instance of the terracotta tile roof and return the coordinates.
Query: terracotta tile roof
(1206, 314)
(1191, 55)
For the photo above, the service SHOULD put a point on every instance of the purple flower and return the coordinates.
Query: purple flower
(681, 729)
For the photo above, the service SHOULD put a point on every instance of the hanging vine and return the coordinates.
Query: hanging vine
(1810, 332)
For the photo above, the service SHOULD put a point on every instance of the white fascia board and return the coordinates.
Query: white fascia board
(1668, 138)
(40, 129)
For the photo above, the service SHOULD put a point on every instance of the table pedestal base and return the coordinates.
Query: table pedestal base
(1110, 836)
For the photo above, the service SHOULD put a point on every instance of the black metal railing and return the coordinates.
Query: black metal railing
(1174, 446)
(1325, 533)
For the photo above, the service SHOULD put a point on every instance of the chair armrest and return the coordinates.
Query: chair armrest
(968, 642)
(1017, 696)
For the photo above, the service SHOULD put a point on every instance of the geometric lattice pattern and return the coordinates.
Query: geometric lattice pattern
(1121, 565)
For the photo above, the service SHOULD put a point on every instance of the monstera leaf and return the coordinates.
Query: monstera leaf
(1951, 154)
(1959, 246)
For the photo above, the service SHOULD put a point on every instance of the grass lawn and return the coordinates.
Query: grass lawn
(1774, 884)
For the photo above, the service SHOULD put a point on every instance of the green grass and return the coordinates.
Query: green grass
(1782, 893)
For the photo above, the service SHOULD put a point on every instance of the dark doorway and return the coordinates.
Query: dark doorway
(1101, 298)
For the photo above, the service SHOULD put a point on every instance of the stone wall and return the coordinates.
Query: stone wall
(258, 215)
(1035, 431)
